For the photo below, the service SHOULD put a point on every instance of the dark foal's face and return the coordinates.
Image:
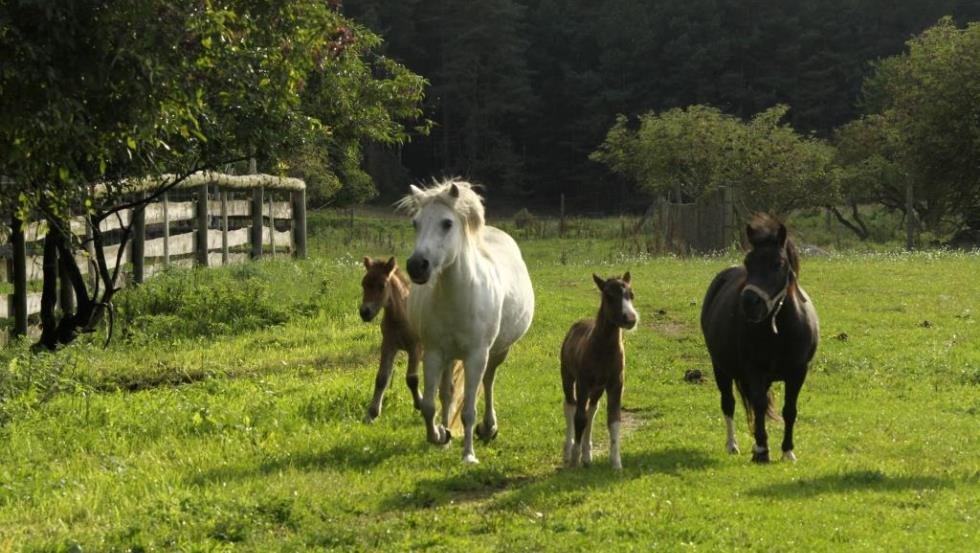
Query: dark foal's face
(375, 286)
(617, 301)
(767, 277)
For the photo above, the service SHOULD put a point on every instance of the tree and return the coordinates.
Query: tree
(688, 153)
(924, 120)
(100, 102)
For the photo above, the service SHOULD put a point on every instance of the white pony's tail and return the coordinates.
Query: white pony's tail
(456, 419)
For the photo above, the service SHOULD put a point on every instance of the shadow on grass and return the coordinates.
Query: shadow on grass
(482, 483)
(672, 462)
(472, 484)
(852, 481)
(342, 457)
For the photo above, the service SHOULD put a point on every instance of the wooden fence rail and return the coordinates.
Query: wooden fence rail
(212, 220)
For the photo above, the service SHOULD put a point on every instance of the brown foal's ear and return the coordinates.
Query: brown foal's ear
(599, 282)
(781, 235)
(750, 233)
(626, 277)
(367, 262)
(391, 265)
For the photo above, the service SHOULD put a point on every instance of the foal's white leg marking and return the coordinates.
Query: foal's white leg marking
(474, 367)
(614, 446)
(569, 431)
(789, 456)
(432, 373)
(587, 434)
(730, 429)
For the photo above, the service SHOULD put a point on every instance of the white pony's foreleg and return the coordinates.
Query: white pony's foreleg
(474, 367)
(487, 430)
(446, 393)
(433, 366)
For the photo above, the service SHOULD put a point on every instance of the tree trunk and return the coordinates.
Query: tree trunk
(858, 226)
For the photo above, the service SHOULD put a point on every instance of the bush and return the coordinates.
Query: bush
(201, 303)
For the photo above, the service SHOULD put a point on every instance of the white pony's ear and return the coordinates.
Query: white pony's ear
(415, 190)
(599, 282)
(454, 191)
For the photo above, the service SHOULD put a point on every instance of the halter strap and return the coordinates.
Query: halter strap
(774, 304)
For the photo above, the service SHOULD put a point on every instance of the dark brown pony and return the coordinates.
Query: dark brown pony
(385, 288)
(760, 327)
(593, 362)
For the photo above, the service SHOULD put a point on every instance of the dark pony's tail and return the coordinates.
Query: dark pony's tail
(771, 412)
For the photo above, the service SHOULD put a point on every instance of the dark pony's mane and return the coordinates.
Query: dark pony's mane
(765, 230)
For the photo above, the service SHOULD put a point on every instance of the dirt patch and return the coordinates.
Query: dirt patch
(670, 329)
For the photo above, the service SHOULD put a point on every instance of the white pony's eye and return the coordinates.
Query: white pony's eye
(447, 224)
(415, 224)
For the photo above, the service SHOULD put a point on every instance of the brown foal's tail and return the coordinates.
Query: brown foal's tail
(771, 412)
(456, 419)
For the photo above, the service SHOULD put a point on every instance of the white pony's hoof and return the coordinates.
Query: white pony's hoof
(789, 456)
(470, 459)
(440, 436)
(484, 434)
(733, 448)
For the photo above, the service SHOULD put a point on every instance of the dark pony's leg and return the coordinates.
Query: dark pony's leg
(760, 405)
(793, 385)
(412, 376)
(724, 383)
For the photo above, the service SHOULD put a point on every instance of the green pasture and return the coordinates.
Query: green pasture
(226, 416)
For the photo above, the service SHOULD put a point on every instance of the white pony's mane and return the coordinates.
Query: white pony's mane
(468, 204)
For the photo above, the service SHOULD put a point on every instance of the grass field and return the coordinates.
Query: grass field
(227, 416)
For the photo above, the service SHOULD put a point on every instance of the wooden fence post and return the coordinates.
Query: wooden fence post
(202, 226)
(224, 227)
(139, 239)
(19, 262)
(909, 217)
(256, 234)
(272, 227)
(561, 221)
(299, 223)
(166, 229)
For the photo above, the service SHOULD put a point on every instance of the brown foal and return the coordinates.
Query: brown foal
(593, 362)
(385, 288)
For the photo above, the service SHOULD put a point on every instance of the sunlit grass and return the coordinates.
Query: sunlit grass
(253, 440)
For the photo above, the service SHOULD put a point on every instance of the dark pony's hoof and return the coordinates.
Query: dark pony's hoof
(760, 456)
(449, 437)
(484, 435)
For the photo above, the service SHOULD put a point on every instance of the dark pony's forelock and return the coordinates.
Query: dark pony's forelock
(765, 230)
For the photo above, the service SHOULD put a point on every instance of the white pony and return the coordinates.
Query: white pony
(471, 300)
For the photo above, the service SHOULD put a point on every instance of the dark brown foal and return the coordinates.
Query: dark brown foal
(593, 362)
(385, 288)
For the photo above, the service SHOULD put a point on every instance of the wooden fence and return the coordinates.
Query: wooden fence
(209, 220)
